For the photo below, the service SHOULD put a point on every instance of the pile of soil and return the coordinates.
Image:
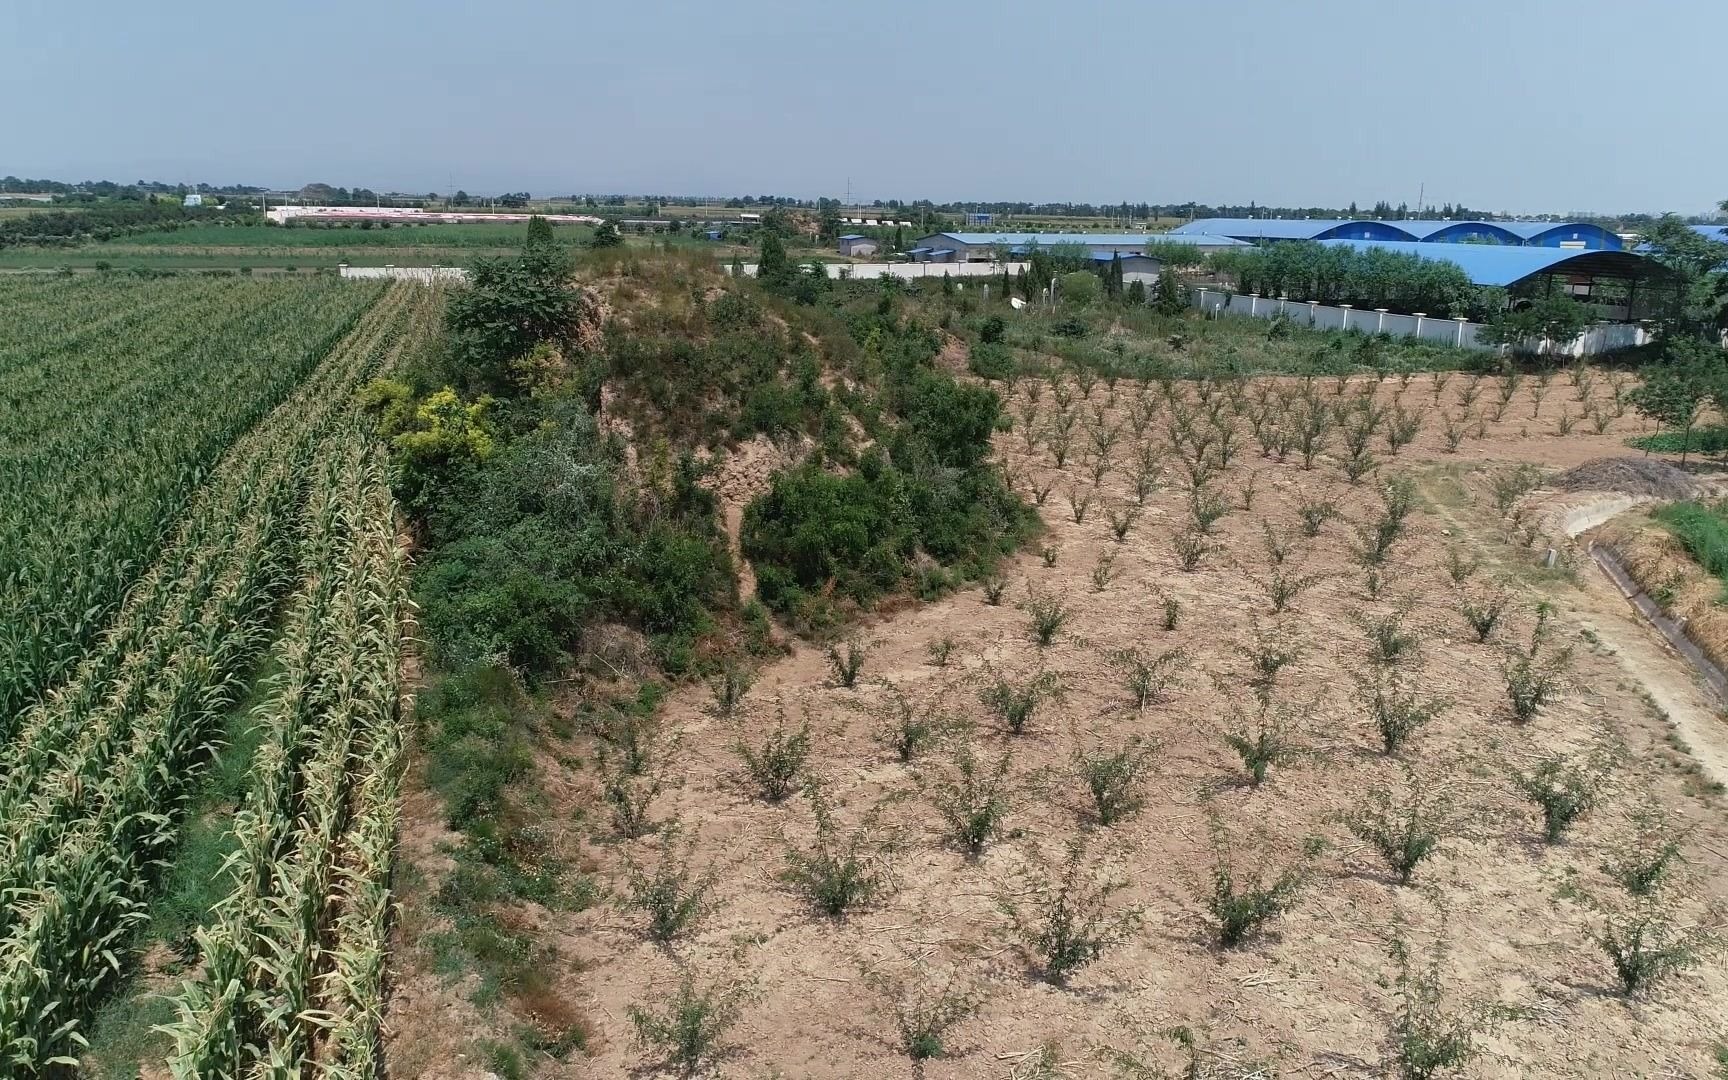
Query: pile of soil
(1629, 476)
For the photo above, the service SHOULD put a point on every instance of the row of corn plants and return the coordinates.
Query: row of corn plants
(97, 773)
(255, 482)
(122, 396)
(295, 949)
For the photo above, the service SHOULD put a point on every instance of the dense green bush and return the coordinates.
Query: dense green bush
(818, 536)
(814, 527)
(525, 555)
(990, 361)
(509, 306)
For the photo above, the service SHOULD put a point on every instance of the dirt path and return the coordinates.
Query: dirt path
(740, 477)
(1601, 609)
(1673, 681)
(1604, 611)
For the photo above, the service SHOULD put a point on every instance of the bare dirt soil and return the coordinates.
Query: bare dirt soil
(1314, 996)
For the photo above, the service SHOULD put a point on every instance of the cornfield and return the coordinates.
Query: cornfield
(121, 395)
(286, 537)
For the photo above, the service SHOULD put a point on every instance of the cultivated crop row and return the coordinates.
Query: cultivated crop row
(295, 952)
(121, 397)
(95, 775)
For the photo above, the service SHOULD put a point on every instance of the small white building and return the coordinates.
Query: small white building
(192, 200)
(856, 244)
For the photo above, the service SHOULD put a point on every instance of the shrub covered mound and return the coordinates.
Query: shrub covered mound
(547, 536)
(538, 524)
(921, 502)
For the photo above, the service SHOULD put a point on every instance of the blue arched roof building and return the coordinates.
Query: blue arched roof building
(1255, 230)
(1556, 234)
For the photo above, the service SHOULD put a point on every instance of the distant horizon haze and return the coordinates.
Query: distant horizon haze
(1529, 108)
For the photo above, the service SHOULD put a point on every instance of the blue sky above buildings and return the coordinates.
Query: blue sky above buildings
(1533, 106)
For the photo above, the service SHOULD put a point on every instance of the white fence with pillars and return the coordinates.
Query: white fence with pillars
(1457, 332)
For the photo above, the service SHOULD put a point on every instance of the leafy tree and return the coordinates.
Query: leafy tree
(539, 231)
(509, 306)
(1371, 279)
(1674, 392)
(1557, 320)
(1697, 262)
(829, 221)
(1113, 277)
(606, 235)
(773, 269)
(1079, 288)
(1168, 295)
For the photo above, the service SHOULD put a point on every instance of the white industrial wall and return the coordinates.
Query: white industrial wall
(427, 274)
(910, 271)
(1607, 337)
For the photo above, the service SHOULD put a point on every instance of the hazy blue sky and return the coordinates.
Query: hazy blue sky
(1519, 105)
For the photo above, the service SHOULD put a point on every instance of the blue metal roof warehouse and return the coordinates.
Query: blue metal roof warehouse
(1494, 264)
(1253, 229)
(1557, 234)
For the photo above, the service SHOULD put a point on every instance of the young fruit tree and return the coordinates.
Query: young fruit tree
(1063, 915)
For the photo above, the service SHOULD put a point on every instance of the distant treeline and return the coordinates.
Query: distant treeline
(103, 221)
(109, 189)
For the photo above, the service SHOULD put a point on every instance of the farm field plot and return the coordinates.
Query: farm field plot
(262, 247)
(122, 394)
(507, 235)
(275, 539)
(1270, 624)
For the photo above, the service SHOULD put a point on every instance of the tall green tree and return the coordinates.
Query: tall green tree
(1698, 264)
(828, 223)
(1079, 288)
(773, 269)
(1675, 390)
(1168, 295)
(539, 231)
(1556, 320)
(509, 306)
(606, 235)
